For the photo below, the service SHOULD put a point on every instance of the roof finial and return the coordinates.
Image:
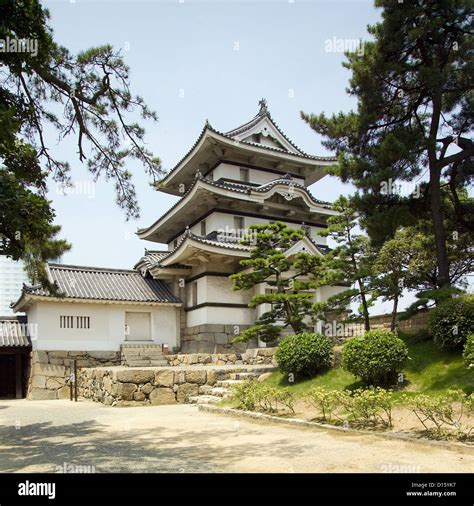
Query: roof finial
(263, 107)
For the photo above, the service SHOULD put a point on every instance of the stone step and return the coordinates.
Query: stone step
(205, 389)
(143, 355)
(161, 363)
(220, 392)
(228, 382)
(244, 375)
(155, 355)
(204, 399)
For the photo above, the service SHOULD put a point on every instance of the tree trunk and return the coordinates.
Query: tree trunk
(393, 323)
(365, 307)
(435, 196)
(439, 232)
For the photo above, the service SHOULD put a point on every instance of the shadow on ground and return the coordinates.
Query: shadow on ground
(44, 446)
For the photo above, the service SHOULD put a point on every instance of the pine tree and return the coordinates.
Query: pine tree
(350, 262)
(290, 280)
(414, 88)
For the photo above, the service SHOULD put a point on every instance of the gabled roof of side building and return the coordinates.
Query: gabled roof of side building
(99, 284)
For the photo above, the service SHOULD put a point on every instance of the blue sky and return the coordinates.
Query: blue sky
(194, 60)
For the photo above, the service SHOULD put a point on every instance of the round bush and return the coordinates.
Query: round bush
(452, 321)
(468, 353)
(304, 355)
(376, 357)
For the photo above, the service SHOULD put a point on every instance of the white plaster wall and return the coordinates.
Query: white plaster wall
(219, 289)
(216, 289)
(107, 322)
(220, 315)
(223, 221)
(256, 176)
(329, 291)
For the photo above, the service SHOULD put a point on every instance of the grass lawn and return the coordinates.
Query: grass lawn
(429, 370)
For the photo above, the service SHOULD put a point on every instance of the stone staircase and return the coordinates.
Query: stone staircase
(211, 394)
(142, 355)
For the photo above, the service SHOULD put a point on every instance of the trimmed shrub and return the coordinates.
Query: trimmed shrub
(255, 396)
(304, 355)
(439, 411)
(327, 402)
(452, 321)
(468, 353)
(370, 406)
(376, 357)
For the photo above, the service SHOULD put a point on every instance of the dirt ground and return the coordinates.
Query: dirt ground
(42, 436)
(403, 419)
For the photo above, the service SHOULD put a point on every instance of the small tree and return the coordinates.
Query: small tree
(289, 279)
(389, 275)
(350, 263)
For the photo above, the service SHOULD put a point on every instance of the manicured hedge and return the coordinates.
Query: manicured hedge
(376, 357)
(451, 322)
(304, 355)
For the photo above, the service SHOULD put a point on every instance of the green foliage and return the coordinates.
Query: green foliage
(85, 96)
(451, 322)
(327, 402)
(420, 336)
(369, 406)
(376, 357)
(255, 396)
(303, 355)
(468, 352)
(439, 412)
(244, 394)
(349, 263)
(414, 107)
(288, 278)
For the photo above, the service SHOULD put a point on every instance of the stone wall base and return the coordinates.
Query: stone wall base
(50, 370)
(214, 338)
(122, 386)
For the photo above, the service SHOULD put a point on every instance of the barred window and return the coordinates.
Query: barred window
(78, 322)
(83, 322)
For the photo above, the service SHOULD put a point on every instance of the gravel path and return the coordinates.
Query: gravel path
(38, 436)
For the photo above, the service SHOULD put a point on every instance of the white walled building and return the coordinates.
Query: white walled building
(181, 295)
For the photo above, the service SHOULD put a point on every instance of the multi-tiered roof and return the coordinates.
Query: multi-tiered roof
(258, 144)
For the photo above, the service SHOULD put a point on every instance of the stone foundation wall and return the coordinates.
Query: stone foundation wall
(253, 356)
(50, 370)
(213, 338)
(382, 322)
(123, 386)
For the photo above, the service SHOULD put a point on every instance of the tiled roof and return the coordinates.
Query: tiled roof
(263, 113)
(13, 333)
(95, 283)
(151, 257)
(231, 136)
(239, 188)
(226, 242)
